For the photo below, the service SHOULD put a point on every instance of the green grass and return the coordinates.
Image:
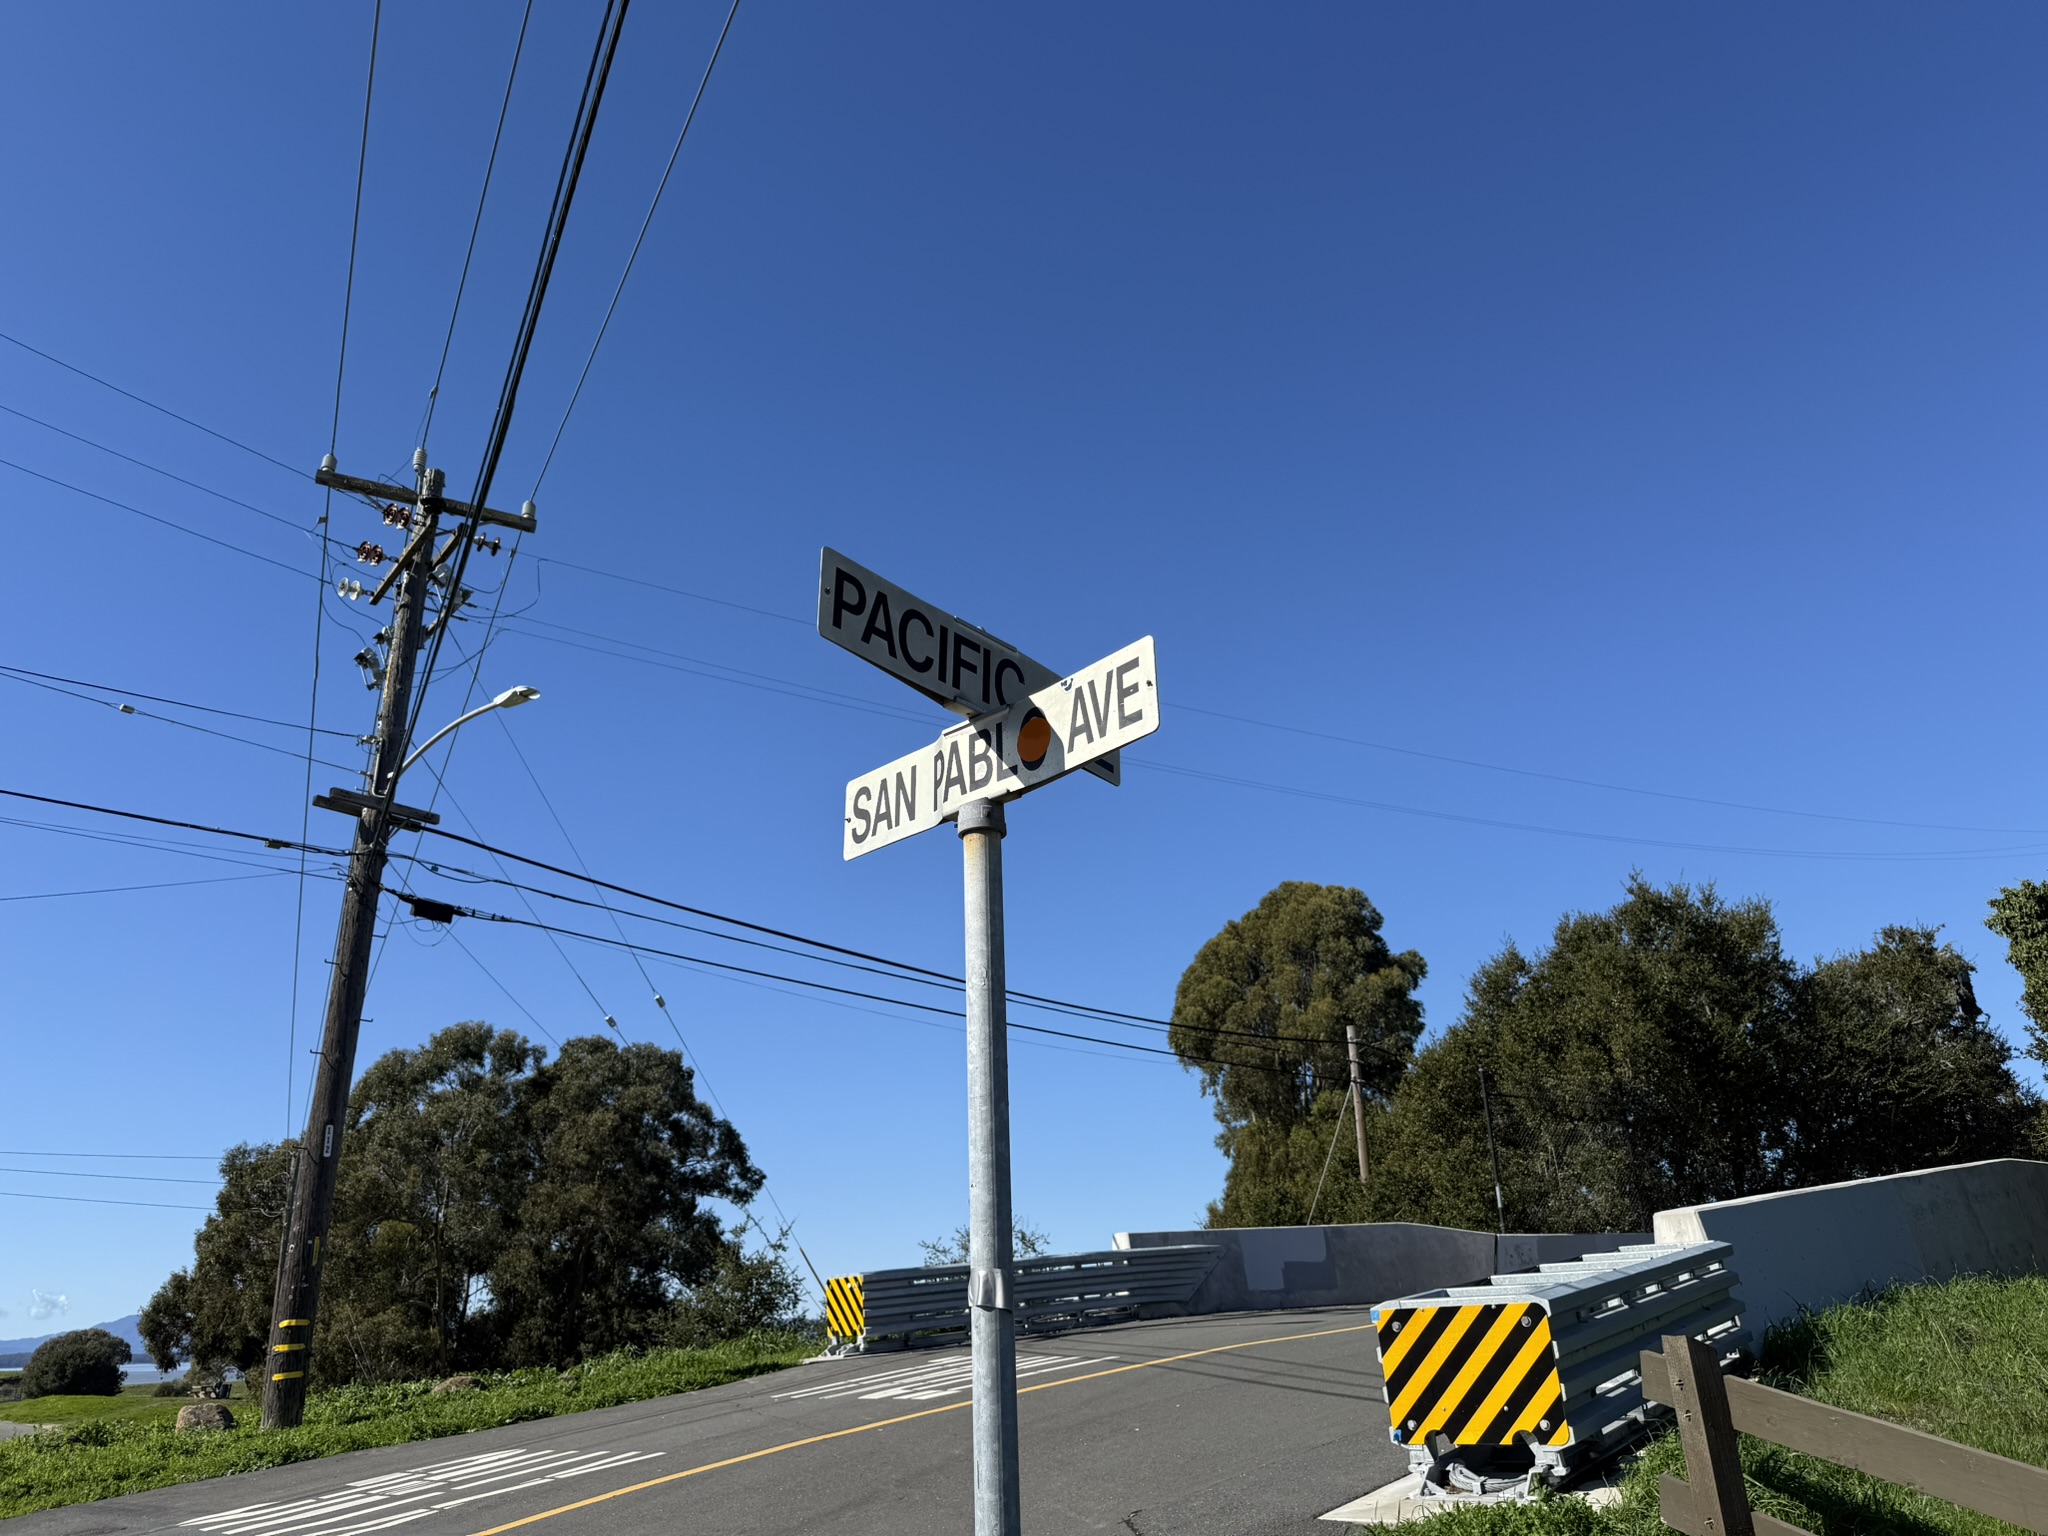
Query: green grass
(131, 1405)
(1967, 1361)
(109, 1453)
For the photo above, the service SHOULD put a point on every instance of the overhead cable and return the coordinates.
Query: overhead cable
(156, 1157)
(16, 341)
(1153, 765)
(634, 255)
(125, 1178)
(159, 885)
(154, 1205)
(154, 469)
(1291, 1070)
(700, 597)
(155, 518)
(150, 714)
(476, 224)
(609, 30)
(158, 698)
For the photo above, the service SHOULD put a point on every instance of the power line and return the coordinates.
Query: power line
(155, 518)
(914, 973)
(699, 597)
(441, 788)
(1105, 1015)
(660, 1001)
(154, 469)
(152, 405)
(761, 681)
(609, 31)
(146, 844)
(1629, 839)
(148, 714)
(160, 885)
(355, 223)
(876, 997)
(475, 224)
(154, 1205)
(127, 1178)
(807, 693)
(348, 299)
(1605, 786)
(902, 971)
(161, 1157)
(1619, 789)
(158, 698)
(894, 969)
(492, 976)
(634, 254)
(170, 821)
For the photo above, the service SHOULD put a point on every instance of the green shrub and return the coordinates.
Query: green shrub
(86, 1363)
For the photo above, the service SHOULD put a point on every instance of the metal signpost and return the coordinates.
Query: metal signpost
(1025, 727)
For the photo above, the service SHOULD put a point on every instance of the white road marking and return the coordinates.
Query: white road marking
(396, 1498)
(938, 1378)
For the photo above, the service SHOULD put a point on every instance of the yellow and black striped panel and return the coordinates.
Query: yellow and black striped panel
(845, 1308)
(1483, 1375)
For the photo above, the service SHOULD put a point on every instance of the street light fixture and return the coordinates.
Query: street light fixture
(511, 698)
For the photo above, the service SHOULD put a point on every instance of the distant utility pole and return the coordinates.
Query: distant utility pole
(1500, 1206)
(413, 575)
(1357, 1099)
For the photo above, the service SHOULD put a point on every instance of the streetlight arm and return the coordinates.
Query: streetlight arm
(506, 700)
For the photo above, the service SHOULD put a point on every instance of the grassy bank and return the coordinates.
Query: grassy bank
(100, 1457)
(131, 1405)
(1967, 1361)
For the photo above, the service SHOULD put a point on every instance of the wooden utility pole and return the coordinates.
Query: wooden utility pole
(312, 1197)
(1500, 1205)
(1357, 1099)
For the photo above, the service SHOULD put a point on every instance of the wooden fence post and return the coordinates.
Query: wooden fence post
(1713, 1463)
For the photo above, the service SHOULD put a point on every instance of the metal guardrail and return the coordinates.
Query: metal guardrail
(921, 1308)
(1526, 1378)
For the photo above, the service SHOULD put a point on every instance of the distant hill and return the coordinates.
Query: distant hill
(14, 1353)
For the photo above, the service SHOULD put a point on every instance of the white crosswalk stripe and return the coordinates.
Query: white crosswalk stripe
(952, 1373)
(380, 1503)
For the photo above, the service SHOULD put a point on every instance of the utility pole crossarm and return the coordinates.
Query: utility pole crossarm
(521, 522)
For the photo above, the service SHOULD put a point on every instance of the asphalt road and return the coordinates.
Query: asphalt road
(1246, 1423)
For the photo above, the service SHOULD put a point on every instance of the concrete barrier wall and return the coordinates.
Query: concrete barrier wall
(1357, 1265)
(1814, 1247)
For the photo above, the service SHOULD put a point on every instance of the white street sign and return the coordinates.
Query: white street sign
(1073, 722)
(945, 658)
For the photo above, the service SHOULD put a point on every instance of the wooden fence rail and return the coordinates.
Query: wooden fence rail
(1713, 1408)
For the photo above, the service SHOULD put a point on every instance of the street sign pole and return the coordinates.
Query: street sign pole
(1024, 727)
(997, 1504)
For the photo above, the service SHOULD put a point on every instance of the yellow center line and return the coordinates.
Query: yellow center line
(926, 1413)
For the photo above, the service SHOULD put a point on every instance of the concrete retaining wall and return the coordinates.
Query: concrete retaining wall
(1357, 1265)
(1814, 1247)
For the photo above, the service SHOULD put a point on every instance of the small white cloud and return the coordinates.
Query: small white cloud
(47, 1305)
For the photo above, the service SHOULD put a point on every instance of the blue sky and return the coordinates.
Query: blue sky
(1615, 396)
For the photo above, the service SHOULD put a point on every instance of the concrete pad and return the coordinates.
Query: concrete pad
(1403, 1500)
(1397, 1501)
